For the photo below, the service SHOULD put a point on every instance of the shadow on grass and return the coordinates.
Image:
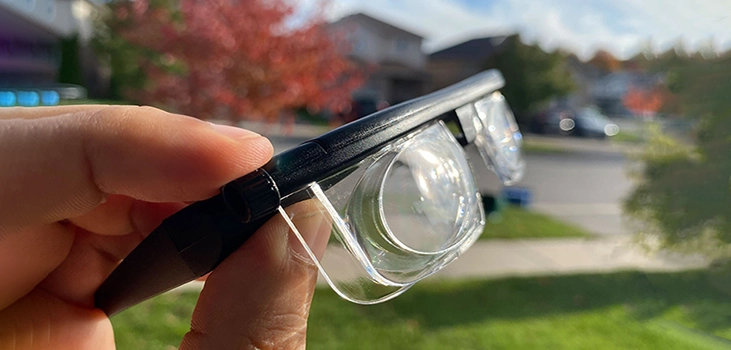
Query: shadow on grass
(645, 296)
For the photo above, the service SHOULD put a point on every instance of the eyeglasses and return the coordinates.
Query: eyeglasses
(395, 188)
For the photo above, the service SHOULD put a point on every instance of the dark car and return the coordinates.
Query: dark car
(584, 122)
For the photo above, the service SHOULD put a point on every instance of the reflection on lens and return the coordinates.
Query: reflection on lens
(424, 195)
(611, 129)
(566, 124)
(498, 137)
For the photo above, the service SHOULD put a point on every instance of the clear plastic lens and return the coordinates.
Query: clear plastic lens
(498, 138)
(398, 216)
(425, 196)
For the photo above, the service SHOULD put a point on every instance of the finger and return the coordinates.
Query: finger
(120, 215)
(57, 177)
(309, 217)
(93, 257)
(28, 257)
(40, 321)
(260, 296)
(43, 112)
(62, 166)
(110, 218)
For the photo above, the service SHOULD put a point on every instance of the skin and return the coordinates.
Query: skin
(81, 186)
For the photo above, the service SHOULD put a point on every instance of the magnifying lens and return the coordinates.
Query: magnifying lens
(396, 188)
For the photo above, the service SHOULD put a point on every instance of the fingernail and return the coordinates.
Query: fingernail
(234, 132)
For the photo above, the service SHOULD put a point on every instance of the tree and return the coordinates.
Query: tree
(684, 193)
(227, 58)
(644, 102)
(605, 61)
(532, 76)
(69, 69)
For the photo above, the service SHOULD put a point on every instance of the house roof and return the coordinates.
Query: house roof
(475, 49)
(386, 29)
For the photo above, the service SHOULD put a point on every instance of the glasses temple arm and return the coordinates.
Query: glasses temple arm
(190, 243)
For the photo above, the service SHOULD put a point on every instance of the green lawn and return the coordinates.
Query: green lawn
(514, 222)
(625, 310)
(629, 137)
(542, 148)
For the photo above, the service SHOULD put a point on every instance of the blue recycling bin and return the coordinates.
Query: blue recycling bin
(28, 98)
(49, 98)
(7, 99)
(520, 196)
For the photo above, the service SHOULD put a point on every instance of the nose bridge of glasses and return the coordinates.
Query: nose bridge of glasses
(489, 124)
(466, 116)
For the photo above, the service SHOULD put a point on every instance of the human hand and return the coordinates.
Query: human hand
(81, 186)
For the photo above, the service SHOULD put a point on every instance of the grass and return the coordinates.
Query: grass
(542, 148)
(515, 222)
(628, 137)
(623, 310)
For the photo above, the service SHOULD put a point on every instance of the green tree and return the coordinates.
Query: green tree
(532, 76)
(118, 53)
(684, 193)
(69, 70)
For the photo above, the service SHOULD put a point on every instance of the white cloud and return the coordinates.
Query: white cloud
(691, 21)
(620, 26)
(582, 32)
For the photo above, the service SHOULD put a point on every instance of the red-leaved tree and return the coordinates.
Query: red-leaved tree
(643, 102)
(605, 61)
(238, 59)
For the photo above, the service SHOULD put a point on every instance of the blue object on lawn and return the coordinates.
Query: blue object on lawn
(49, 98)
(7, 99)
(28, 98)
(520, 196)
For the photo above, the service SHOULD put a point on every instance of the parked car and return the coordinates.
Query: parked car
(584, 122)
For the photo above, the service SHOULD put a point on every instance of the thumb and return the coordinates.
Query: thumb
(260, 296)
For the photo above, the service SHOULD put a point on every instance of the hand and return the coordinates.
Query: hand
(81, 186)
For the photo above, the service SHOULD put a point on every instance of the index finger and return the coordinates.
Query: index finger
(59, 167)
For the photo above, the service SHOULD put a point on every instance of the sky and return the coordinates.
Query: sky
(622, 27)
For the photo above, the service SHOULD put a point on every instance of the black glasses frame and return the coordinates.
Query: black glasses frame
(192, 242)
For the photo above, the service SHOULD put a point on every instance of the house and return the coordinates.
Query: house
(458, 62)
(391, 58)
(31, 34)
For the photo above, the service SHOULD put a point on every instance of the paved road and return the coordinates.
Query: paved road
(585, 188)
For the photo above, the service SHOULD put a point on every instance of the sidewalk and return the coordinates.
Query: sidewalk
(536, 257)
(500, 258)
